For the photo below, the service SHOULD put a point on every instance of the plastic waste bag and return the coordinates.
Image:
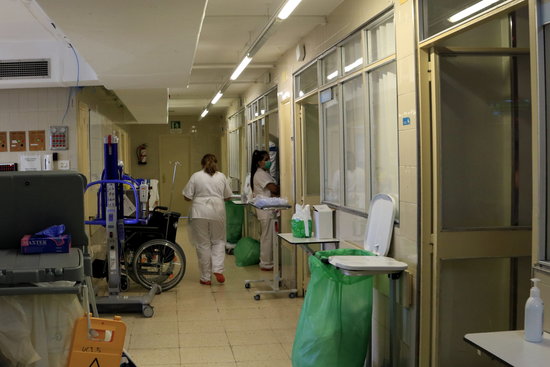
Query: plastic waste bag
(15, 334)
(36, 329)
(301, 223)
(234, 221)
(247, 252)
(334, 328)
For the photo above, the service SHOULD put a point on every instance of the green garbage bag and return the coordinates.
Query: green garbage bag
(234, 215)
(247, 252)
(298, 228)
(335, 322)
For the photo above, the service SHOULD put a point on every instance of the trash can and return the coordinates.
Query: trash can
(234, 215)
(247, 252)
(335, 323)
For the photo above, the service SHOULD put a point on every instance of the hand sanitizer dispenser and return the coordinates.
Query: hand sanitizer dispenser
(534, 315)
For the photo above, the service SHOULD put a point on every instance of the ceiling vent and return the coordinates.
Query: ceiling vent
(24, 69)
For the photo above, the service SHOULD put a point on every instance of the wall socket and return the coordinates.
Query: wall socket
(64, 165)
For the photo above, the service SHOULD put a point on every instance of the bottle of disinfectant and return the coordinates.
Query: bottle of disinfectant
(534, 314)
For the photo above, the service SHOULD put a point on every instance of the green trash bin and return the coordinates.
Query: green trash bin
(234, 215)
(334, 328)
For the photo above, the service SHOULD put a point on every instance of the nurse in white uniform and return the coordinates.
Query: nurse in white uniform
(208, 188)
(264, 185)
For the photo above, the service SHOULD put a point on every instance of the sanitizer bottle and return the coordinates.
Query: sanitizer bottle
(534, 315)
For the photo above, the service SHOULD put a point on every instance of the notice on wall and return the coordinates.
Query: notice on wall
(3, 141)
(37, 140)
(18, 141)
(30, 163)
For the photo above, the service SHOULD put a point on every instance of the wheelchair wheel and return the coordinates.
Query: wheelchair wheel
(159, 262)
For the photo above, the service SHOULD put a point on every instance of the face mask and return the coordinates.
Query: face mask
(267, 165)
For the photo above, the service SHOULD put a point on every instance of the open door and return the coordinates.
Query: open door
(476, 197)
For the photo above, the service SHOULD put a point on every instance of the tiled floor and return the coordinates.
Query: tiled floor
(214, 326)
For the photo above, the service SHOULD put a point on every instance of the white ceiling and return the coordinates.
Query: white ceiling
(140, 48)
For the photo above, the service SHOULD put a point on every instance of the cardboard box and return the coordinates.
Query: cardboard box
(322, 217)
(41, 245)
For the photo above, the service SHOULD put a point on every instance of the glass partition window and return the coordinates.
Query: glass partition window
(488, 182)
(262, 131)
(234, 154)
(384, 132)
(332, 138)
(358, 118)
(330, 68)
(352, 54)
(262, 106)
(355, 144)
(439, 15)
(272, 100)
(381, 40)
(306, 81)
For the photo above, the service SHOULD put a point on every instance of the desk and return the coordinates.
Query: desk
(510, 348)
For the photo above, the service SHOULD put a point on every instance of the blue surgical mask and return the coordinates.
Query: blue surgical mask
(267, 165)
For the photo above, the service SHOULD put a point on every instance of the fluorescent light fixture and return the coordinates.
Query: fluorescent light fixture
(217, 97)
(353, 65)
(301, 93)
(241, 67)
(204, 113)
(332, 75)
(471, 10)
(288, 8)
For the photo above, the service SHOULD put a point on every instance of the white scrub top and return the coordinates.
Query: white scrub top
(261, 180)
(208, 193)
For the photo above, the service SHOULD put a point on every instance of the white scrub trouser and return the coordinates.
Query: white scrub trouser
(208, 237)
(266, 243)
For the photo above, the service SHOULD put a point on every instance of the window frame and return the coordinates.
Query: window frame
(337, 84)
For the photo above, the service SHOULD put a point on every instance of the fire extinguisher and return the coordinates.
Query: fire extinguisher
(141, 153)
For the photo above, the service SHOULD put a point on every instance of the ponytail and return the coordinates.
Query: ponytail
(257, 156)
(209, 164)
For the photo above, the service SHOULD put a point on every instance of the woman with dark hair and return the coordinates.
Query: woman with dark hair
(263, 184)
(208, 188)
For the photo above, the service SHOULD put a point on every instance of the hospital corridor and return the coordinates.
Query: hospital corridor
(221, 325)
(301, 183)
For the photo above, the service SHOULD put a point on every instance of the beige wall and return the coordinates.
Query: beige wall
(206, 139)
(38, 109)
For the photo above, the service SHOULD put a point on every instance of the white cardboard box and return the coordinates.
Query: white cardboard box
(322, 219)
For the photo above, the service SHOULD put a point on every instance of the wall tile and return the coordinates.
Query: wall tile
(406, 80)
(408, 221)
(407, 109)
(408, 184)
(405, 30)
(407, 148)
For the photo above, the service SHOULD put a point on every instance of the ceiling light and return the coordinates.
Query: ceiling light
(217, 97)
(353, 65)
(204, 113)
(471, 10)
(332, 75)
(288, 8)
(241, 67)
